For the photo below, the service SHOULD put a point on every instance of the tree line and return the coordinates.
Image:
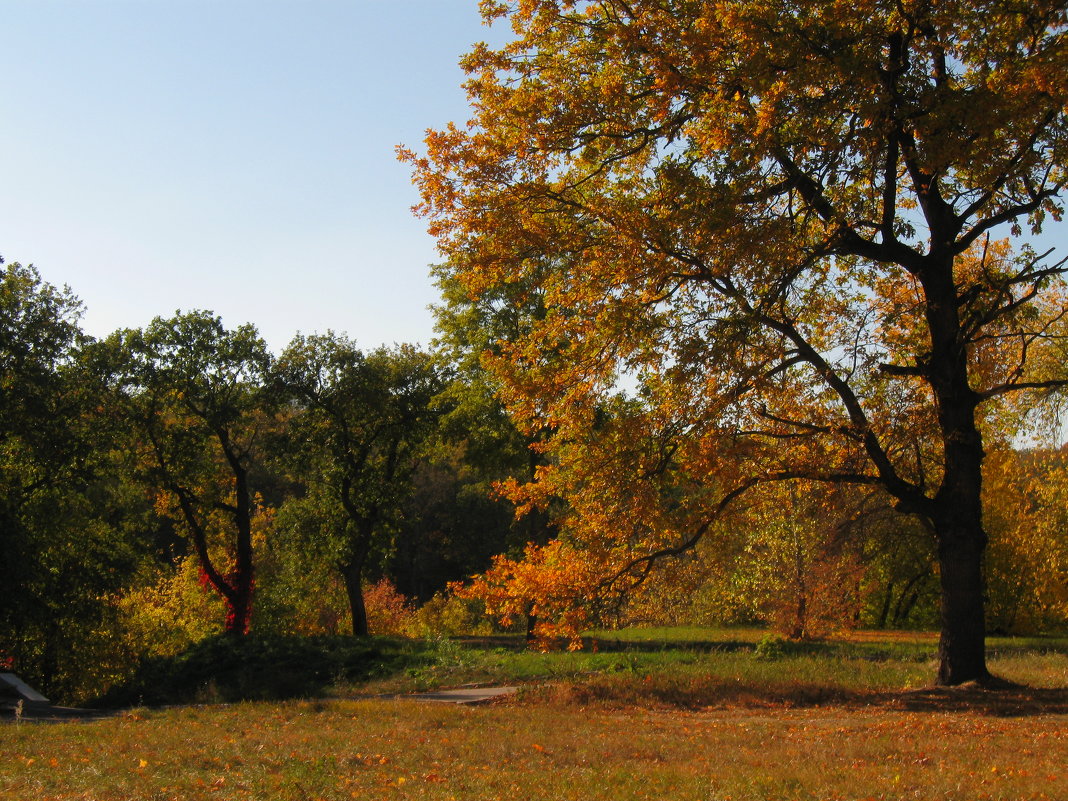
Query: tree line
(165, 484)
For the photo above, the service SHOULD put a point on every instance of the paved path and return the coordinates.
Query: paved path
(464, 695)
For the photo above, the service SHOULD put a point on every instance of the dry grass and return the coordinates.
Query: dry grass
(536, 750)
(649, 724)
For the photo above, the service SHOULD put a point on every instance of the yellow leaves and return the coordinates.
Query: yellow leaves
(701, 198)
(1025, 497)
(768, 108)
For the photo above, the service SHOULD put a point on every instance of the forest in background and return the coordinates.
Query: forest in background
(165, 485)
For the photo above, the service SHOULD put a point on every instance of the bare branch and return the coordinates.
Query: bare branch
(644, 564)
(1004, 389)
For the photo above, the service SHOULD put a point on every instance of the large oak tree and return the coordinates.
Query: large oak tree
(775, 219)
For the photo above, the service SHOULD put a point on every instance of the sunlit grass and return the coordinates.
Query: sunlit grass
(532, 749)
(660, 714)
(681, 634)
(695, 668)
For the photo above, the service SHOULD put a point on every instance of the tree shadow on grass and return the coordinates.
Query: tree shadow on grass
(1005, 701)
(997, 698)
(512, 642)
(46, 713)
(1010, 701)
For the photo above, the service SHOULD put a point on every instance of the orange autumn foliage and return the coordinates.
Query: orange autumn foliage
(764, 237)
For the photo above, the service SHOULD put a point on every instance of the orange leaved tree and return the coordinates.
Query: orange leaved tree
(774, 221)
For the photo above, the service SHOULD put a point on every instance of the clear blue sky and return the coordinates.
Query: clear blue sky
(233, 155)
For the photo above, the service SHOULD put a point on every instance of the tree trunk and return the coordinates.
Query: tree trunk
(242, 581)
(910, 594)
(532, 624)
(239, 608)
(799, 626)
(962, 648)
(958, 525)
(884, 609)
(353, 575)
(957, 508)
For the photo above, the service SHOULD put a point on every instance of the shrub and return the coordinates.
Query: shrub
(449, 616)
(256, 667)
(388, 611)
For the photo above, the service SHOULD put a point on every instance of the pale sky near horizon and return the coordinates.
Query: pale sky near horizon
(232, 155)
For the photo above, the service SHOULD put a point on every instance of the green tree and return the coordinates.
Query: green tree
(198, 396)
(472, 331)
(453, 521)
(776, 220)
(63, 548)
(358, 423)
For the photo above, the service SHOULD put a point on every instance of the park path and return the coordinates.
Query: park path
(462, 695)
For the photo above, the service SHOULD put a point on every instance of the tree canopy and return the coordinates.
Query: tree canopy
(777, 222)
(360, 420)
(63, 544)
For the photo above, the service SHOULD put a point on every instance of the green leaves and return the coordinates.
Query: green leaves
(357, 422)
(200, 398)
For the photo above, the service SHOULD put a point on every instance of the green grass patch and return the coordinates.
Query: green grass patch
(686, 668)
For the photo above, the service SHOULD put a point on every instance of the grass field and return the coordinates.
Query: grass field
(657, 719)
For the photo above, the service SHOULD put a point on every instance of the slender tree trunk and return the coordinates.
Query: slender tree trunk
(907, 599)
(532, 622)
(242, 582)
(884, 609)
(363, 529)
(799, 629)
(352, 572)
(904, 608)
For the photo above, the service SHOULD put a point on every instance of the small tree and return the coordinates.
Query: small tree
(197, 394)
(358, 422)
